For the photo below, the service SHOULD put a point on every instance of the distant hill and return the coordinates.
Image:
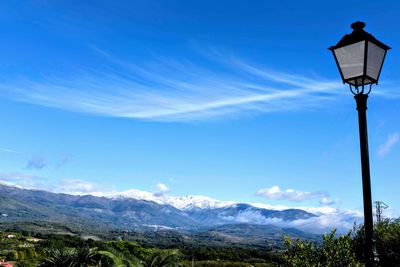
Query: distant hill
(123, 213)
(235, 223)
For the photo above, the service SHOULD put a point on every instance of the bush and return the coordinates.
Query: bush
(337, 251)
(30, 253)
(299, 253)
(21, 255)
(334, 252)
(165, 258)
(12, 256)
(387, 235)
(59, 257)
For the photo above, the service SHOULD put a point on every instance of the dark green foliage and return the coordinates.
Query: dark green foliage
(334, 252)
(60, 241)
(106, 259)
(73, 251)
(21, 264)
(388, 242)
(70, 257)
(234, 254)
(168, 258)
(112, 257)
(59, 257)
(387, 235)
(226, 264)
(126, 253)
(129, 250)
(30, 253)
(84, 256)
(300, 253)
(12, 255)
(25, 264)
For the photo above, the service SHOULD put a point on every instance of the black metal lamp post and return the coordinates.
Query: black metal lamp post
(359, 57)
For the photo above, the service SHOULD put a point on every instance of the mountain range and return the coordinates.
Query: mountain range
(229, 221)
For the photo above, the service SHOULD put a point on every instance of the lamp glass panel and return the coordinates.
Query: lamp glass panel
(374, 60)
(351, 59)
(360, 81)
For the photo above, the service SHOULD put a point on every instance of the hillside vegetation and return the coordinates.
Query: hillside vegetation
(34, 249)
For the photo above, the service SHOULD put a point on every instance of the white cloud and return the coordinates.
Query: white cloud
(68, 186)
(391, 212)
(20, 179)
(327, 217)
(270, 206)
(323, 210)
(161, 189)
(390, 142)
(276, 193)
(76, 187)
(167, 90)
(342, 220)
(328, 201)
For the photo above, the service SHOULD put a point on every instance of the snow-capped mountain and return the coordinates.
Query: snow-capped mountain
(181, 202)
(136, 209)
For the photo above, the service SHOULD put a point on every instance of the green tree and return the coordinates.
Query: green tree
(166, 258)
(387, 236)
(12, 255)
(334, 252)
(337, 251)
(299, 253)
(69, 257)
(85, 257)
(59, 257)
(21, 255)
(30, 253)
(114, 259)
(108, 259)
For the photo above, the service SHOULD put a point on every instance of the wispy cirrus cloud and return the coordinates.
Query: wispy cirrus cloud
(171, 90)
(390, 142)
(5, 150)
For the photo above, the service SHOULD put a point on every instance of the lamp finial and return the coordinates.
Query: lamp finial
(358, 25)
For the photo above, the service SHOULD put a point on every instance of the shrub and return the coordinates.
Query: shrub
(59, 258)
(299, 253)
(334, 252)
(387, 235)
(12, 255)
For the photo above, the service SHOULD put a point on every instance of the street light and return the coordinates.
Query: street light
(359, 57)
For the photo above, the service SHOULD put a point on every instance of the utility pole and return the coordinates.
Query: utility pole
(379, 207)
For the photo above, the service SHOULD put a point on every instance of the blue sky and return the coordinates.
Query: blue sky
(219, 98)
